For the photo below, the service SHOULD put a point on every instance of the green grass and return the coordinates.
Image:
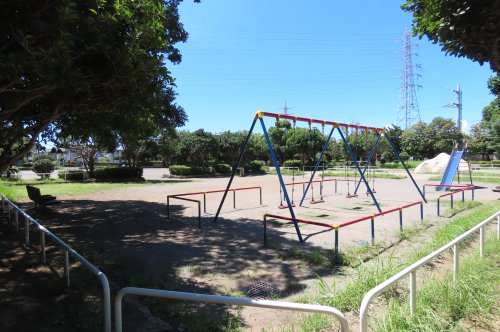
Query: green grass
(465, 179)
(461, 206)
(16, 190)
(286, 172)
(443, 305)
(348, 296)
(355, 175)
(410, 164)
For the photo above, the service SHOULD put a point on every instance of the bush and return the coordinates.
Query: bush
(118, 173)
(404, 155)
(292, 163)
(256, 166)
(43, 166)
(188, 170)
(222, 168)
(42, 157)
(73, 175)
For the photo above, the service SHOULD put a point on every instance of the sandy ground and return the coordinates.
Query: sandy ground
(229, 256)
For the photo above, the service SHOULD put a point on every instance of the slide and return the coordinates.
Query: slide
(451, 169)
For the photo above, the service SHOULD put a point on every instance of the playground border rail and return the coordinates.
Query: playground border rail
(447, 185)
(223, 300)
(67, 251)
(204, 193)
(451, 193)
(337, 227)
(412, 269)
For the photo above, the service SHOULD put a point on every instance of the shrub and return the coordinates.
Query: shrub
(256, 166)
(188, 170)
(222, 168)
(404, 155)
(42, 157)
(292, 163)
(43, 166)
(118, 173)
(73, 175)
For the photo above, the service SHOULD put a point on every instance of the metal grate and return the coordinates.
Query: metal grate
(261, 291)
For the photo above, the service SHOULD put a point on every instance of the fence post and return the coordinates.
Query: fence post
(451, 201)
(199, 214)
(42, 247)
(260, 195)
(234, 199)
(472, 193)
(455, 263)
(463, 196)
(400, 219)
(205, 202)
(336, 240)
(265, 229)
(422, 211)
(16, 220)
(26, 231)
(335, 185)
(481, 241)
(66, 268)
(413, 292)
(438, 199)
(372, 219)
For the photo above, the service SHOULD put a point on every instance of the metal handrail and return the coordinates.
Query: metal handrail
(223, 300)
(68, 251)
(411, 270)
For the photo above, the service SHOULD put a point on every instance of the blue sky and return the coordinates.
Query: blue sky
(332, 60)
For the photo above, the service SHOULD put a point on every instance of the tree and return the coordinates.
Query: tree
(463, 28)
(230, 145)
(304, 143)
(415, 141)
(479, 142)
(66, 60)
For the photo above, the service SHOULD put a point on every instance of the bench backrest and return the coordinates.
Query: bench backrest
(33, 193)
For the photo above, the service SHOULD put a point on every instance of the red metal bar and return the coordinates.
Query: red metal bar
(214, 191)
(299, 220)
(378, 214)
(322, 122)
(355, 221)
(455, 192)
(448, 185)
(316, 181)
(185, 199)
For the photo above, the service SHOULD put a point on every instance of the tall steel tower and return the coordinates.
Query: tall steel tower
(408, 111)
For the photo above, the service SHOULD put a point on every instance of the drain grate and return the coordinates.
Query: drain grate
(261, 291)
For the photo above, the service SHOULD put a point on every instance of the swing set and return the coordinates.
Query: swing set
(290, 204)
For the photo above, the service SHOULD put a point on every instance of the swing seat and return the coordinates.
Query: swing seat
(283, 206)
(351, 196)
(317, 201)
(373, 191)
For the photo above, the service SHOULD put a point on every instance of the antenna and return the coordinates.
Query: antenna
(285, 108)
(408, 110)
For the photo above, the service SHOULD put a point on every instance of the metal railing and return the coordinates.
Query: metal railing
(44, 232)
(412, 270)
(223, 300)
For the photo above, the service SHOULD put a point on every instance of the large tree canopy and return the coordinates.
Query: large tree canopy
(67, 60)
(464, 28)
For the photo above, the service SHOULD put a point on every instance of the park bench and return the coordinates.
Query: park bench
(39, 199)
(496, 189)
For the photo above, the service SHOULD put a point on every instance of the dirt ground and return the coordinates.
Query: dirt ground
(130, 228)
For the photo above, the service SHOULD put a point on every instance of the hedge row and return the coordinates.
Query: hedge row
(118, 173)
(255, 166)
(73, 175)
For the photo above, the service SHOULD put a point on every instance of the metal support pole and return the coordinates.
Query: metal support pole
(422, 211)
(463, 196)
(400, 219)
(265, 229)
(168, 207)
(353, 157)
(260, 195)
(280, 178)
(240, 157)
(455, 263)
(423, 190)
(199, 214)
(438, 200)
(481, 241)
(16, 220)
(335, 185)
(336, 241)
(372, 222)
(396, 152)
(472, 193)
(234, 199)
(370, 155)
(451, 201)
(26, 231)
(413, 292)
(325, 146)
(204, 202)
(66, 268)
(42, 247)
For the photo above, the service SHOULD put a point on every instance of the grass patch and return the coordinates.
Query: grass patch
(483, 179)
(286, 172)
(355, 175)
(16, 190)
(442, 305)
(461, 206)
(318, 257)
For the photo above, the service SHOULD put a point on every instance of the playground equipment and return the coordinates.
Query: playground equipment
(259, 116)
(452, 169)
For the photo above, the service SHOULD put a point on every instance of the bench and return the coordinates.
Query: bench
(496, 189)
(39, 199)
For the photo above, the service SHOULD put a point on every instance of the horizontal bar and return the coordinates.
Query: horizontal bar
(322, 122)
(185, 199)
(448, 185)
(355, 221)
(213, 191)
(299, 220)
(456, 192)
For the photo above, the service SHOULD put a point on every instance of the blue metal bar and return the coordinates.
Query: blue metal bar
(240, 157)
(368, 161)
(280, 177)
(325, 146)
(396, 152)
(353, 157)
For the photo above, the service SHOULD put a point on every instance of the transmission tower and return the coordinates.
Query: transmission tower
(285, 108)
(408, 111)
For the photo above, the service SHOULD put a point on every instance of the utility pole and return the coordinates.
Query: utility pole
(458, 105)
(408, 111)
(286, 108)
